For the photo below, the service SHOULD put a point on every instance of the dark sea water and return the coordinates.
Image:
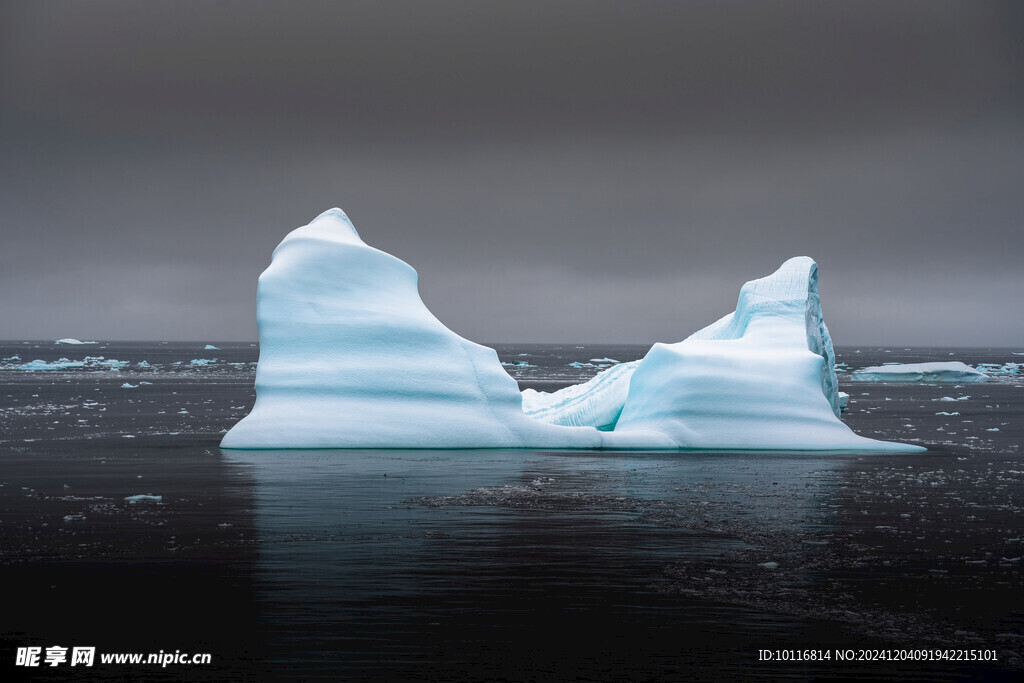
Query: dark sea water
(498, 565)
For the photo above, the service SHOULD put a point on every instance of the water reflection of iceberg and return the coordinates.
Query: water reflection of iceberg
(475, 561)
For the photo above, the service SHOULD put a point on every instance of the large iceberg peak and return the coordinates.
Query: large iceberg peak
(338, 217)
(332, 225)
(350, 357)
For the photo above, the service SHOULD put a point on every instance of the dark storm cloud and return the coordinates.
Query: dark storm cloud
(569, 171)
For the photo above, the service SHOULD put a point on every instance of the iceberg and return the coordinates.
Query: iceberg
(945, 371)
(69, 340)
(350, 357)
(59, 364)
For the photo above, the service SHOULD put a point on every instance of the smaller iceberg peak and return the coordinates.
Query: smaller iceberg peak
(793, 280)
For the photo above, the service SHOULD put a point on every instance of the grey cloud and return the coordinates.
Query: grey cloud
(555, 171)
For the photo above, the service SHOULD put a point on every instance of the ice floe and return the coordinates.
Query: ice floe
(943, 371)
(89, 362)
(143, 498)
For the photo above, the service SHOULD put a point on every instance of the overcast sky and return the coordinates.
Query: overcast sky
(555, 171)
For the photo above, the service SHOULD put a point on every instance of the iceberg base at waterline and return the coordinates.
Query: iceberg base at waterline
(350, 357)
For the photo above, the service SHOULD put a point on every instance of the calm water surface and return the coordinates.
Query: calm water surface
(496, 565)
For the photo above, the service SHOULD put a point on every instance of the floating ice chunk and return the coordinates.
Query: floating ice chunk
(997, 369)
(90, 362)
(844, 400)
(198, 362)
(351, 358)
(126, 385)
(769, 565)
(143, 364)
(59, 364)
(100, 361)
(210, 347)
(143, 498)
(947, 413)
(603, 360)
(944, 371)
(12, 358)
(69, 340)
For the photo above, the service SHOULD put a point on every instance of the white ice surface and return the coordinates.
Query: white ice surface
(944, 371)
(596, 403)
(69, 340)
(351, 358)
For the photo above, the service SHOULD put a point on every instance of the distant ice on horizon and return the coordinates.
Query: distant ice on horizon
(944, 371)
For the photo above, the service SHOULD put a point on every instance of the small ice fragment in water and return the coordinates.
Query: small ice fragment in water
(769, 565)
(210, 347)
(143, 498)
